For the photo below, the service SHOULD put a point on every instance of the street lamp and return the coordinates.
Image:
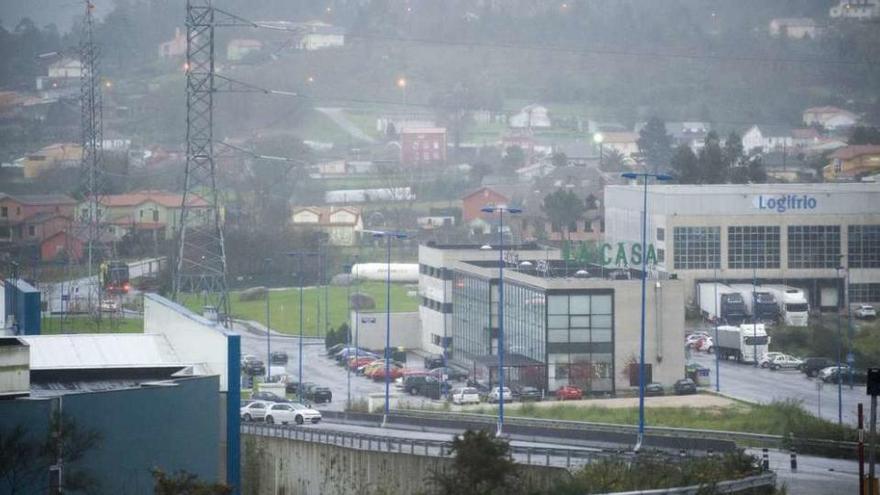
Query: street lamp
(268, 263)
(348, 337)
(299, 255)
(401, 83)
(389, 236)
(500, 210)
(598, 138)
(645, 176)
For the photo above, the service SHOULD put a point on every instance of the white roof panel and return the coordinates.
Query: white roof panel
(98, 351)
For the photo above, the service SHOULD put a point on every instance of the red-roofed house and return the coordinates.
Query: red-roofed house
(473, 202)
(145, 211)
(26, 221)
(853, 161)
(830, 117)
(341, 224)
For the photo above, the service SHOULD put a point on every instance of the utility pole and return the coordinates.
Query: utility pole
(201, 254)
(92, 149)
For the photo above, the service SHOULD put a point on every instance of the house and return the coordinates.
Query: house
(855, 9)
(238, 48)
(341, 224)
(625, 143)
(530, 117)
(473, 202)
(58, 155)
(173, 48)
(829, 117)
(64, 73)
(853, 162)
(691, 134)
(794, 27)
(524, 139)
(423, 146)
(805, 138)
(432, 222)
(767, 138)
(26, 221)
(318, 35)
(153, 214)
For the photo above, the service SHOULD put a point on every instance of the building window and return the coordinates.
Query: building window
(864, 293)
(579, 340)
(661, 234)
(864, 246)
(697, 247)
(32, 231)
(813, 246)
(753, 246)
(4, 211)
(661, 255)
(155, 215)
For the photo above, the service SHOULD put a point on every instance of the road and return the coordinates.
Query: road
(338, 117)
(78, 289)
(761, 385)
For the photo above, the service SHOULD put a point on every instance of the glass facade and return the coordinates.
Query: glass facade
(813, 246)
(864, 293)
(864, 246)
(580, 340)
(697, 247)
(753, 246)
(471, 333)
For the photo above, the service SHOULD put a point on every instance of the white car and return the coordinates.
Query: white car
(109, 305)
(785, 361)
(254, 411)
(465, 395)
(767, 357)
(866, 311)
(291, 412)
(495, 395)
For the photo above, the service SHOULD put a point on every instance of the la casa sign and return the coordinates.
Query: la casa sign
(620, 254)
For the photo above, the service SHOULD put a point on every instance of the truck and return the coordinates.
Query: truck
(746, 343)
(114, 276)
(728, 303)
(760, 304)
(793, 306)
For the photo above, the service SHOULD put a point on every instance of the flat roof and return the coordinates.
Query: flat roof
(781, 188)
(100, 351)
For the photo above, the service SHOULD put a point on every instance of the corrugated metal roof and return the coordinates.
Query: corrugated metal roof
(100, 351)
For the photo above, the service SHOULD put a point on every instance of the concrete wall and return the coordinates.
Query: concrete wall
(274, 466)
(405, 330)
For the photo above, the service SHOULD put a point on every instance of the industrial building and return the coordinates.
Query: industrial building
(565, 323)
(792, 234)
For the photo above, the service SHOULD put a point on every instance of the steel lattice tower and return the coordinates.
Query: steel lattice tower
(201, 256)
(92, 144)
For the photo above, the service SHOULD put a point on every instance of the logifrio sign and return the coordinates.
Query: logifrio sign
(785, 202)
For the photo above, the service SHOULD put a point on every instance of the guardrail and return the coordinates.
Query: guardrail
(766, 480)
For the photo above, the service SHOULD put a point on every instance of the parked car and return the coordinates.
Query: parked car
(333, 349)
(525, 394)
(866, 311)
(252, 366)
(358, 362)
(685, 386)
(434, 361)
(292, 386)
(767, 357)
(109, 305)
(831, 374)
(413, 384)
(482, 389)
(705, 344)
(395, 371)
(254, 411)
(452, 374)
(432, 388)
(569, 392)
(293, 412)
(785, 361)
(278, 357)
(654, 389)
(812, 365)
(495, 395)
(267, 397)
(465, 395)
(317, 394)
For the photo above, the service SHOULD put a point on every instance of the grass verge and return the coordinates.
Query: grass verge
(87, 324)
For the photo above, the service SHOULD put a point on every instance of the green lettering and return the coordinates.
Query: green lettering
(606, 254)
(652, 255)
(620, 260)
(636, 254)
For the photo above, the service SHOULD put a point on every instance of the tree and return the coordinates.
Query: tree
(563, 208)
(684, 163)
(559, 159)
(655, 144)
(514, 158)
(757, 171)
(185, 483)
(613, 160)
(733, 150)
(482, 466)
(864, 135)
(712, 164)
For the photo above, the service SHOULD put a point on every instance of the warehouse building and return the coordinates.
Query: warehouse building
(792, 234)
(565, 323)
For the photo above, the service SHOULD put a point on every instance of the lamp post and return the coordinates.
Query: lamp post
(267, 264)
(717, 355)
(839, 346)
(299, 255)
(645, 176)
(754, 317)
(389, 236)
(500, 210)
(598, 138)
(401, 83)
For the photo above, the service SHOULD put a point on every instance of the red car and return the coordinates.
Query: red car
(569, 392)
(395, 371)
(355, 363)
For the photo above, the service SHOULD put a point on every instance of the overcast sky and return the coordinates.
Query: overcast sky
(59, 12)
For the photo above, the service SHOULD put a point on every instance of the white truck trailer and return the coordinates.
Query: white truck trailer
(721, 302)
(743, 342)
(793, 306)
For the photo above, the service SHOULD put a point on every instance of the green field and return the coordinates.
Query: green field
(85, 324)
(284, 306)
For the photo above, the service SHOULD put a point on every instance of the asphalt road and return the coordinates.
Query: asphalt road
(761, 385)
(78, 289)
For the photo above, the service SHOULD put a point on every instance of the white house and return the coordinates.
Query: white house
(173, 48)
(66, 68)
(625, 143)
(341, 224)
(238, 48)
(855, 9)
(830, 117)
(794, 28)
(531, 116)
(767, 138)
(319, 35)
